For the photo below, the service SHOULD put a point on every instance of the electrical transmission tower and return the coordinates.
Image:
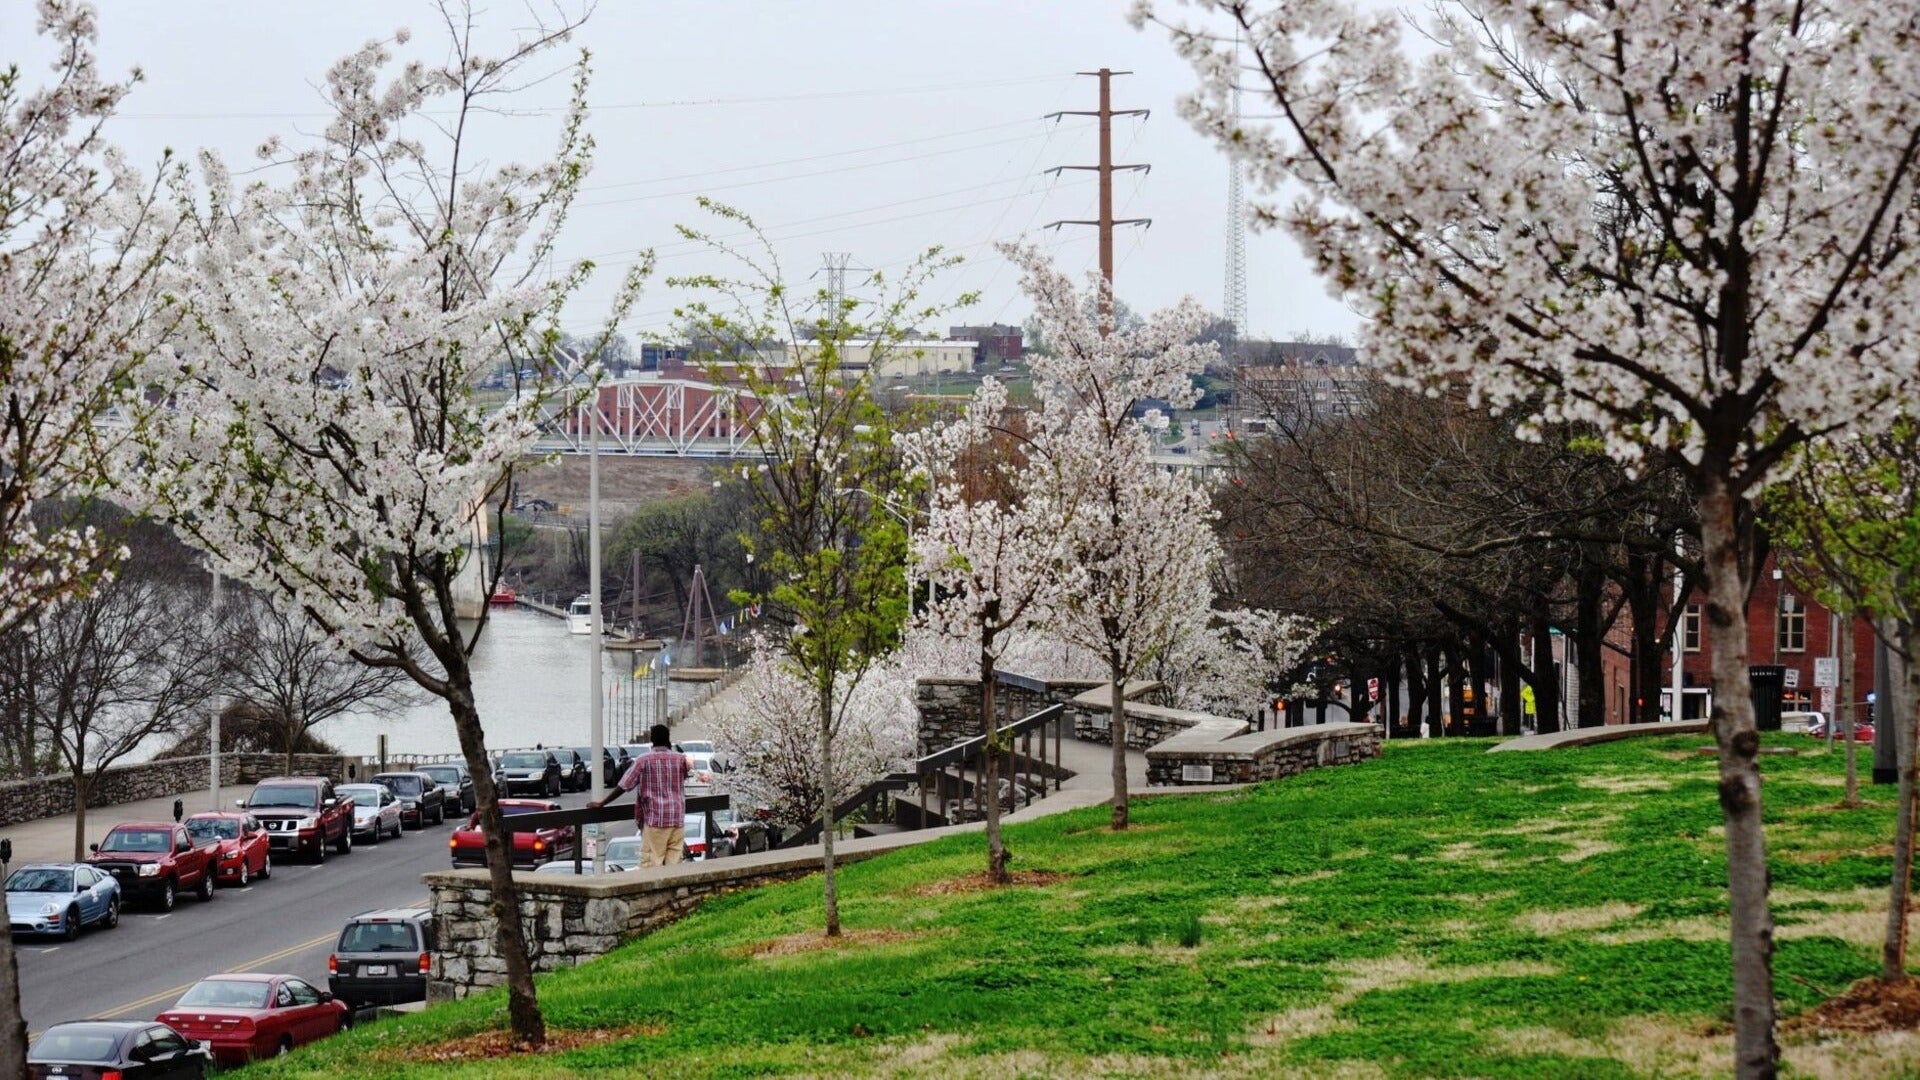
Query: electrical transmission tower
(1106, 169)
(1234, 298)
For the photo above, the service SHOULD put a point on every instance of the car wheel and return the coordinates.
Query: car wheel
(398, 832)
(166, 895)
(205, 889)
(320, 851)
(112, 918)
(440, 814)
(246, 878)
(346, 843)
(285, 1047)
(266, 866)
(71, 931)
(377, 830)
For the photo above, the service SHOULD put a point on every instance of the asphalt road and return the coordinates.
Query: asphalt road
(285, 925)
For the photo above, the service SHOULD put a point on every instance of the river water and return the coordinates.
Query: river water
(530, 680)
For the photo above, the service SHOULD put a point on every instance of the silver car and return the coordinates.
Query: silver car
(376, 810)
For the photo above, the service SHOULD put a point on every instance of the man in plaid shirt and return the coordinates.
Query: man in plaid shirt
(660, 807)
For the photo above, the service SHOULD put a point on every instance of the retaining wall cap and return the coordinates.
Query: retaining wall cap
(1199, 742)
(1592, 735)
(1101, 696)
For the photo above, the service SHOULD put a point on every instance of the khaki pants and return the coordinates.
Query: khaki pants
(662, 846)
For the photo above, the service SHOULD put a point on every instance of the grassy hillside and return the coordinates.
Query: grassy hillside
(1440, 912)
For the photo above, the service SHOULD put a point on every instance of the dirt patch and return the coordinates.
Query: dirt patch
(1575, 920)
(813, 941)
(1870, 1005)
(980, 882)
(1626, 785)
(485, 1045)
(1877, 851)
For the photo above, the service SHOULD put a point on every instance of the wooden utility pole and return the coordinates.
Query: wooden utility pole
(1106, 169)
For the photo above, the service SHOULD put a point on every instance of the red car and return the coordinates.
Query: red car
(242, 1017)
(469, 847)
(243, 854)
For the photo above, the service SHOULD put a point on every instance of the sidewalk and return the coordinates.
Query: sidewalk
(51, 839)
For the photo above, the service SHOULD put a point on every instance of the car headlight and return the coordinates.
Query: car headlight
(309, 822)
(230, 856)
(150, 869)
(49, 909)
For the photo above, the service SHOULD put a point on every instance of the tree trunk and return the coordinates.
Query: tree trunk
(829, 883)
(503, 902)
(1118, 730)
(1546, 677)
(1843, 712)
(1436, 715)
(13, 1039)
(1482, 722)
(990, 728)
(1756, 1054)
(1589, 640)
(1893, 952)
(1643, 606)
(1456, 687)
(1508, 654)
(1416, 694)
(81, 789)
(1391, 697)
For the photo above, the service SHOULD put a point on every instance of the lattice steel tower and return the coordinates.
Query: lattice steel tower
(1234, 301)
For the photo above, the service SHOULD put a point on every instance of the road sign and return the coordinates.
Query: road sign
(1373, 689)
(1826, 700)
(1826, 671)
(1793, 678)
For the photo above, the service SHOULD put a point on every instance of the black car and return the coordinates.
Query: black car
(456, 781)
(422, 801)
(383, 957)
(535, 772)
(133, 1049)
(575, 774)
(613, 763)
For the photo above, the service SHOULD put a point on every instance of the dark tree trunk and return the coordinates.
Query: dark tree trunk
(1436, 716)
(1589, 640)
(1416, 694)
(1456, 687)
(1546, 677)
(1507, 646)
(1644, 607)
(1391, 696)
(1482, 723)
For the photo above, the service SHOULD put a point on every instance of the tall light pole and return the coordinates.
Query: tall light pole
(597, 738)
(906, 520)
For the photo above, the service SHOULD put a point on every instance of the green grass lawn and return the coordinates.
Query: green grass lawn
(1439, 912)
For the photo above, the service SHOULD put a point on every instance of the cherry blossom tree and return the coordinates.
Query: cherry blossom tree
(1226, 661)
(994, 548)
(771, 722)
(1140, 541)
(1686, 225)
(326, 444)
(81, 239)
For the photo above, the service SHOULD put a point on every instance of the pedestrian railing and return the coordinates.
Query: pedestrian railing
(577, 819)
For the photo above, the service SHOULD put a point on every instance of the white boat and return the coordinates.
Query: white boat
(580, 614)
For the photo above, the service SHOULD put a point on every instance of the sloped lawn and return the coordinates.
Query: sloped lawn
(1440, 912)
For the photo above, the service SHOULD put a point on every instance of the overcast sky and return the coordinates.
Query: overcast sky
(874, 127)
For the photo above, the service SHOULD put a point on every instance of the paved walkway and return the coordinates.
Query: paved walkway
(51, 839)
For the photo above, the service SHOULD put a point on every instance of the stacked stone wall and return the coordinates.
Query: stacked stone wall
(50, 796)
(1202, 757)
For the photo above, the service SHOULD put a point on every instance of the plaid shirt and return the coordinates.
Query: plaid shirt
(661, 776)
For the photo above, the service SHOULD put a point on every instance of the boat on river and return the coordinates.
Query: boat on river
(580, 614)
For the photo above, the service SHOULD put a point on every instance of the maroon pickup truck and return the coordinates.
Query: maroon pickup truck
(156, 861)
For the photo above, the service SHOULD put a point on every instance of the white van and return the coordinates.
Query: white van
(1800, 723)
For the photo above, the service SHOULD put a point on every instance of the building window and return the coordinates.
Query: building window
(1690, 629)
(1793, 625)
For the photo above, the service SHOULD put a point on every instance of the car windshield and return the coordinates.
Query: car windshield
(377, 937)
(698, 746)
(40, 879)
(510, 810)
(365, 797)
(213, 828)
(696, 827)
(523, 761)
(405, 785)
(226, 994)
(626, 849)
(138, 840)
(58, 1045)
(723, 818)
(444, 776)
(298, 798)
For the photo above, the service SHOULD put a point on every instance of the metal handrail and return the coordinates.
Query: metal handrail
(577, 817)
(940, 759)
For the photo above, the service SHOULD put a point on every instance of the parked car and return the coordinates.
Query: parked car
(242, 848)
(625, 850)
(703, 770)
(696, 840)
(536, 772)
(155, 861)
(746, 835)
(530, 849)
(586, 868)
(1862, 730)
(422, 801)
(61, 898)
(126, 1049)
(696, 746)
(243, 1017)
(458, 783)
(1800, 721)
(383, 957)
(302, 815)
(575, 773)
(613, 763)
(376, 810)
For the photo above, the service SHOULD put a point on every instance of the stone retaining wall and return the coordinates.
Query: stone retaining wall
(1214, 752)
(569, 920)
(50, 796)
(950, 707)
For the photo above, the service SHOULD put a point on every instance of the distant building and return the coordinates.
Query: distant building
(999, 343)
